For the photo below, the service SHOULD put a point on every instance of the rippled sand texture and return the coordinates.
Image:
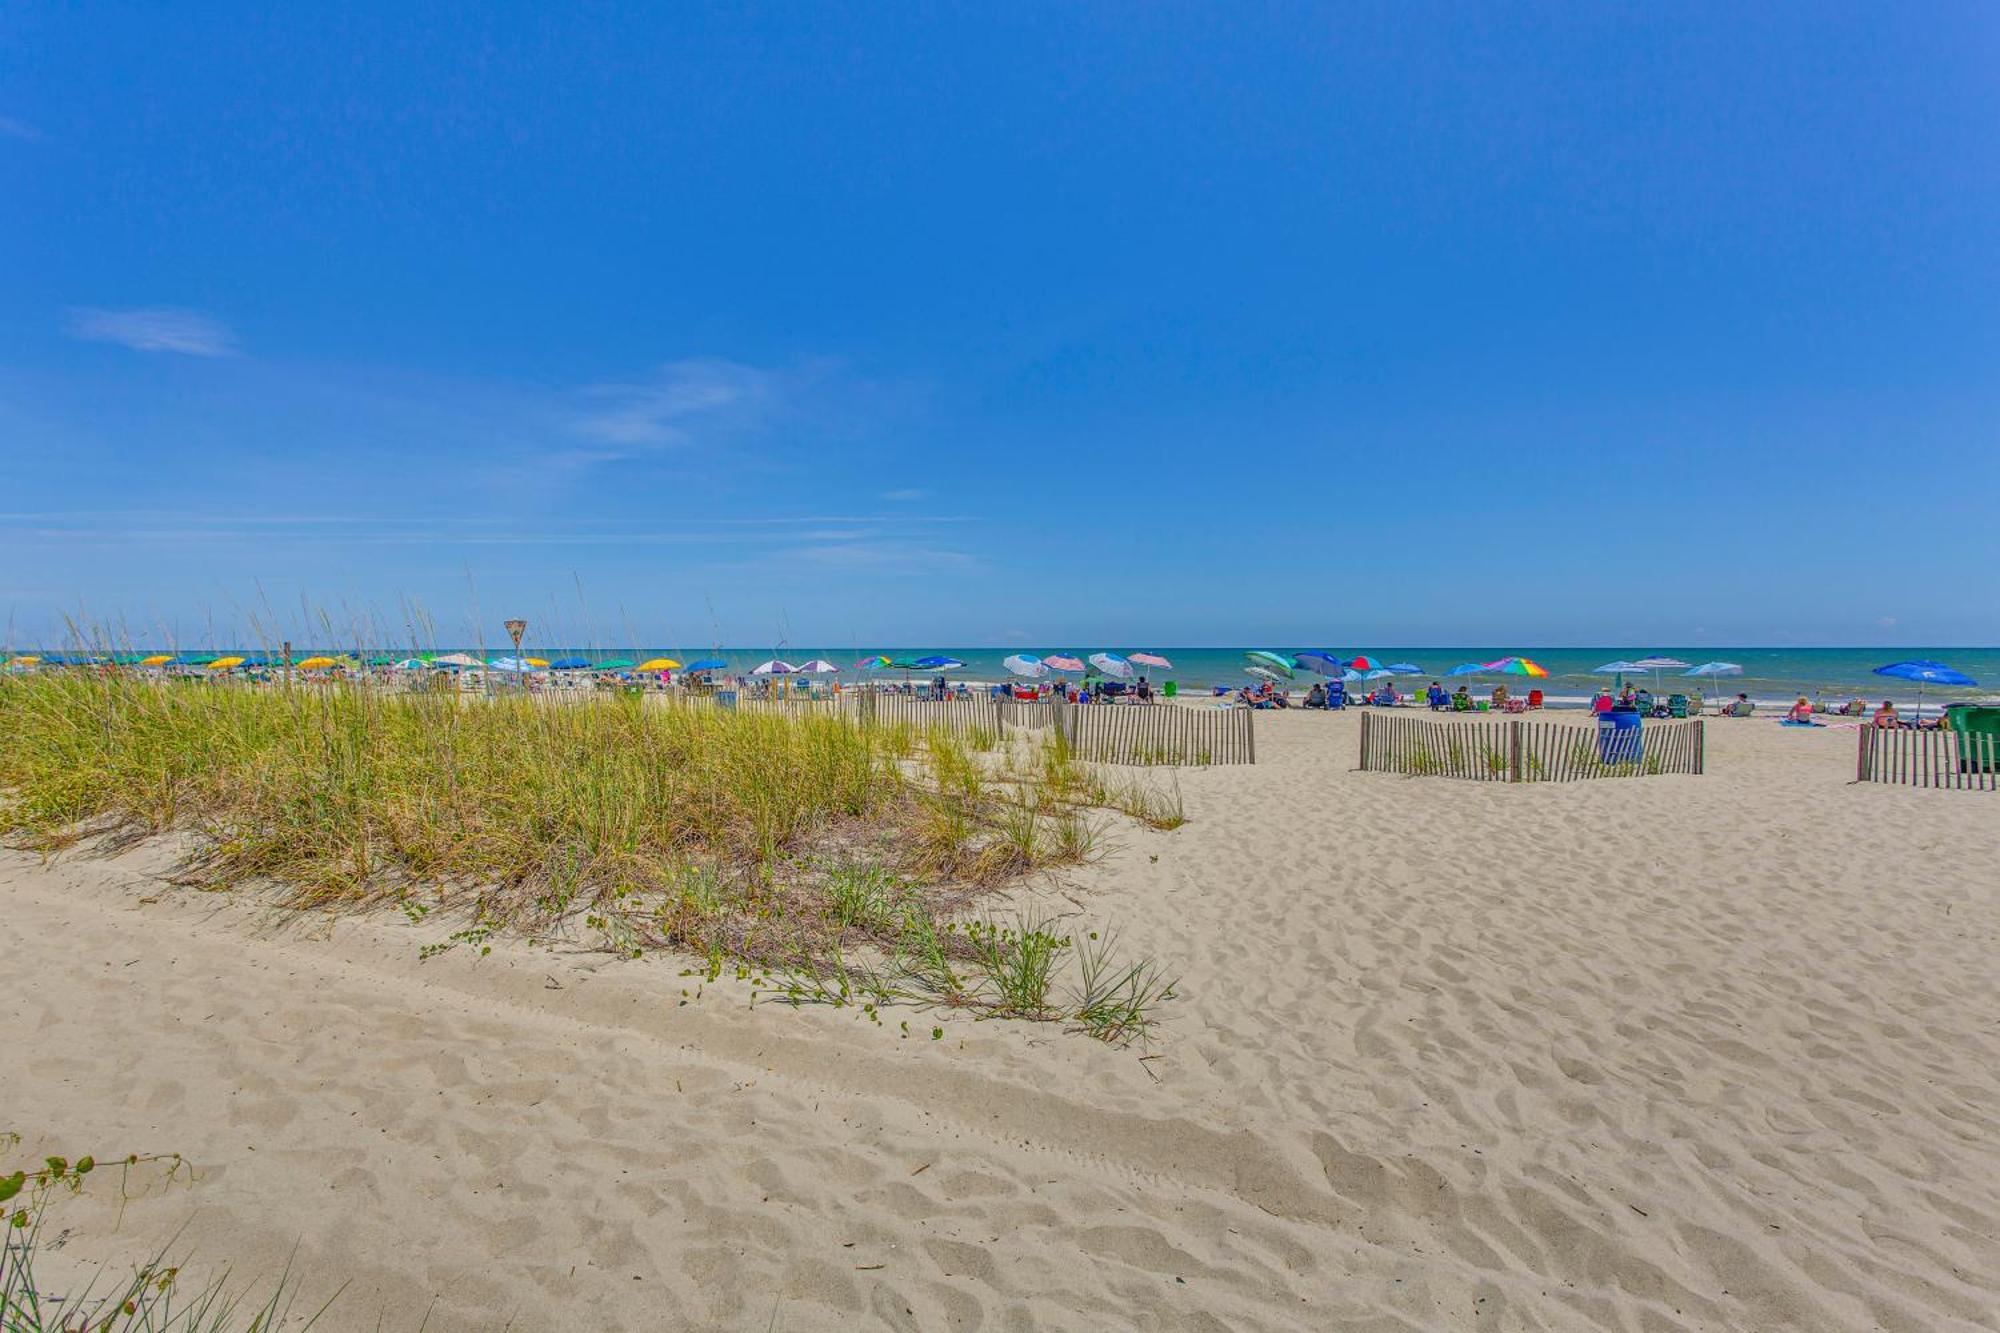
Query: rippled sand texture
(1672, 1053)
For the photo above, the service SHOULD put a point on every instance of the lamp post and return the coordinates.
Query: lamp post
(515, 629)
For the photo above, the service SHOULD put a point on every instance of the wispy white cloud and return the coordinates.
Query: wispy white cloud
(155, 329)
(12, 128)
(684, 402)
(904, 496)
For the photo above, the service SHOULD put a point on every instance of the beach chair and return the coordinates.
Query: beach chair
(1534, 698)
(1645, 701)
(1461, 703)
(1677, 705)
(1739, 708)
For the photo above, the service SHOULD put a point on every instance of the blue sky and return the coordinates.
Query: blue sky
(955, 324)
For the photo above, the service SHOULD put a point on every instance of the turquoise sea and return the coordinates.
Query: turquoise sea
(1769, 674)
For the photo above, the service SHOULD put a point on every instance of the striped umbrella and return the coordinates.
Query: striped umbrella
(1517, 666)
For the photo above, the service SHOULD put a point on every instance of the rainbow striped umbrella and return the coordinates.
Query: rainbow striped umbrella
(1517, 666)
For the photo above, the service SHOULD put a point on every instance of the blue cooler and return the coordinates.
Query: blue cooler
(1620, 736)
(725, 698)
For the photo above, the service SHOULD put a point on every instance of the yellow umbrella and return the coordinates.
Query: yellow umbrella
(157, 659)
(25, 661)
(224, 663)
(317, 663)
(659, 664)
(535, 661)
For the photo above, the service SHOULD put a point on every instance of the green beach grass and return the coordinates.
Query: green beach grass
(815, 856)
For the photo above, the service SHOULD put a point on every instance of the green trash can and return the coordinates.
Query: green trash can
(1171, 690)
(1975, 730)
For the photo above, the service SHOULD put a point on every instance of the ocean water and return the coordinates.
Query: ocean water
(1769, 674)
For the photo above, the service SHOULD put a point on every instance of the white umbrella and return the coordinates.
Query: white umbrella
(1658, 664)
(774, 667)
(819, 666)
(1111, 664)
(457, 660)
(1027, 665)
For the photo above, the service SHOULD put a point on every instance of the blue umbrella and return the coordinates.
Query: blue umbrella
(937, 663)
(569, 664)
(1467, 669)
(1925, 673)
(1404, 668)
(1321, 663)
(707, 664)
(1712, 669)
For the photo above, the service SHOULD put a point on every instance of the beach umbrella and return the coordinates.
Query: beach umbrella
(1064, 662)
(539, 663)
(774, 667)
(1150, 660)
(819, 666)
(1324, 664)
(1517, 666)
(875, 663)
(1404, 668)
(25, 660)
(457, 660)
(1266, 673)
(662, 664)
(1365, 663)
(937, 663)
(1925, 672)
(1111, 664)
(1657, 664)
(1026, 664)
(157, 659)
(708, 664)
(1467, 669)
(617, 664)
(514, 664)
(317, 663)
(1278, 662)
(1712, 669)
(569, 664)
(224, 663)
(410, 664)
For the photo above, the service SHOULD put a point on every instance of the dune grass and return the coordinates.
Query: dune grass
(754, 838)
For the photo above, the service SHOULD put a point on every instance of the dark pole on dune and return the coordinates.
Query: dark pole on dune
(515, 629)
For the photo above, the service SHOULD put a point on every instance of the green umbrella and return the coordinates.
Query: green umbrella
(1277, 662)
(616, 664)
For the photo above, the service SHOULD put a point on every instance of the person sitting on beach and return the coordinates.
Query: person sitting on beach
(1499, 698)
(1854, 708)
(1436, 697)
(1461, 699)
(1628, 697)
(1801, 711)
(1316, 696)
(1145, 690)
(1740, 706)
(1885, 716)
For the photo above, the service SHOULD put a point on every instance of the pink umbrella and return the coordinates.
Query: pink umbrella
(1151, 660)
(1059, 662)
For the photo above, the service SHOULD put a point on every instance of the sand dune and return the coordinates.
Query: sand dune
(1671, 1053)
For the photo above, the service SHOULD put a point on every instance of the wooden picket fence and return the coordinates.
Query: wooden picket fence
(1099, 733)
(1523, 750)
(1158, 734)
(1968, 761)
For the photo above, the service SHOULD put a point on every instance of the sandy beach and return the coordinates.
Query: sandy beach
(1663, 1053)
